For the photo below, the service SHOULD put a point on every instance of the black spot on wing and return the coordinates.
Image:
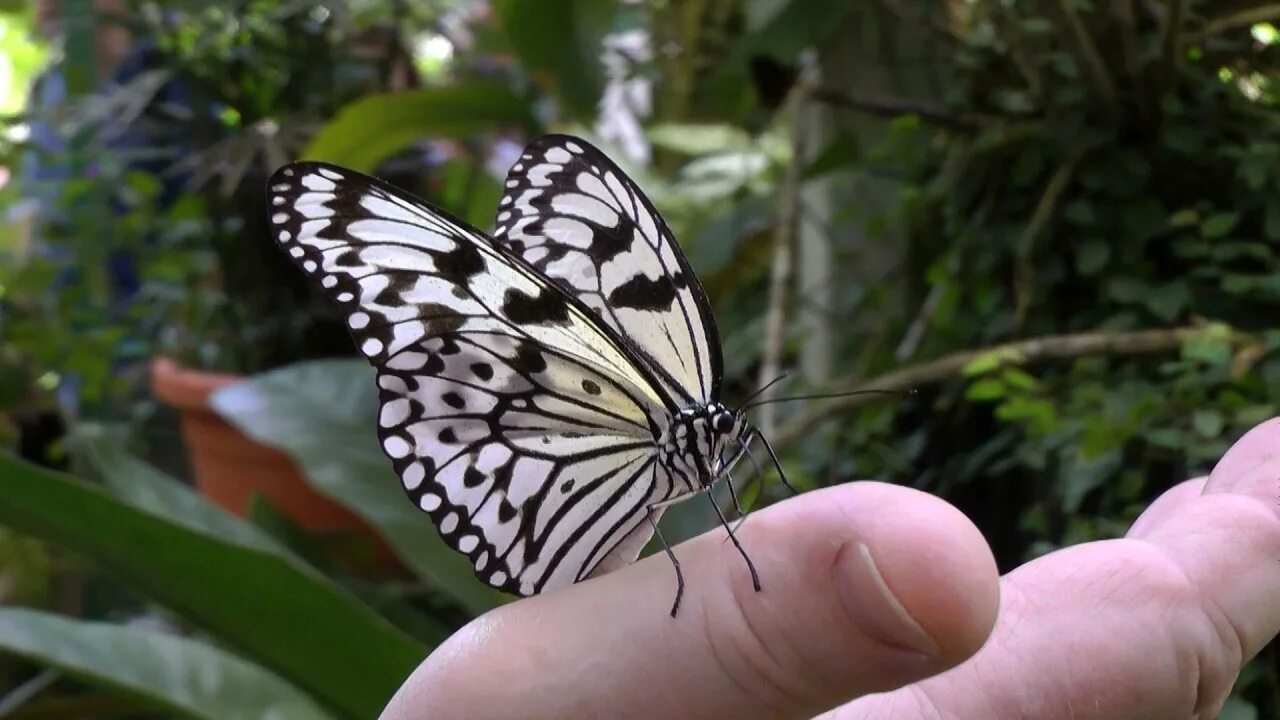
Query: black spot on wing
(472, 477)
(546, 309)
(529, 359)
(460, 263)
(484, 371)
(434, 365)
(453, 400)
(398, 283)
(440, 320)
(590, 387)
(643, 293)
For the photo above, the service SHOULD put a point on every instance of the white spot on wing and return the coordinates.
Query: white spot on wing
(558, 155)
(318, 182)
(396, 447)
(449, 524)
(413, 476)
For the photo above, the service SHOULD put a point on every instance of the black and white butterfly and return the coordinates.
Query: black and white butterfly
(545, 392)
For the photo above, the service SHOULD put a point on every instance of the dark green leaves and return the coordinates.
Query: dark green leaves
(269, 607)
(177, 676)
(559, 43)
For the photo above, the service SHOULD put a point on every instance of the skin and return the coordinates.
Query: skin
(883, 602)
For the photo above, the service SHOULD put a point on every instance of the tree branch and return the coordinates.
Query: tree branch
(780, 272)
(892, 108)
(1050, 347)
(1235, 21)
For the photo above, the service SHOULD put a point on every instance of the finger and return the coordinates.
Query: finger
(1227, 543)
(1157, 625)
(866, 587)
(1168, 505)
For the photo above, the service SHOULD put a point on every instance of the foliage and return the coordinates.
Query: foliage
(175, 675)
(1068, 167)
(219, 574)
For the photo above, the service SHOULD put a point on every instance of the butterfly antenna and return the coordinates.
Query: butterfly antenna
(824, 396)
(747, 403)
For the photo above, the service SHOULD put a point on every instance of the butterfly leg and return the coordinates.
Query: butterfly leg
(777, 464)
(733, 495)
(674, 561)
(755, 577)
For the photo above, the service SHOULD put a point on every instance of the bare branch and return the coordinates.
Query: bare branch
(780, 270)
(893, 108)
(1045, 209)
(1050, 347)
(1236, 21)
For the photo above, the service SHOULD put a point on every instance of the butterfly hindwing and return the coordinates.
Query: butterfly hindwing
(512, 415)
(575, 216)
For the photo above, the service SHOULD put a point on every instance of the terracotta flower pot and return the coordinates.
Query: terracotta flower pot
(230, 468)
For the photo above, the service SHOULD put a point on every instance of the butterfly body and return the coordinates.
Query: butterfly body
(546, 390)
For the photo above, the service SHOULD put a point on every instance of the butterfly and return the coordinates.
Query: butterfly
(545, 391)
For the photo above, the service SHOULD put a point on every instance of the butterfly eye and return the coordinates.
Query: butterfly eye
(723, 423)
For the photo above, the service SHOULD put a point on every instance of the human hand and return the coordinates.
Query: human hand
(873, 588)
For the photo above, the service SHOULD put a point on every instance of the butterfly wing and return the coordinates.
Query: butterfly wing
(572, 214)
(511, 415)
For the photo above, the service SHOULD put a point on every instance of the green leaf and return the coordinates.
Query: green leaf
(372, 129)
(1208, 422)
(1219, 224)
(150, 490)
(1081, 475)
(699, 138)
(277, 612)
(559, 42)
(324, 415)
(1211, 346)
(1092, 257)
(1080, 212)
(1186, 217)
(989, 361)
(985, 390)
(1019, 380)
(176, 675)
(1167, 300)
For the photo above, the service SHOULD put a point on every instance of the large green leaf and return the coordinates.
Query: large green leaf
(322, 413)
(148, 489)
(175, 675)
(374, 128)
(279, 613)
(559, 42)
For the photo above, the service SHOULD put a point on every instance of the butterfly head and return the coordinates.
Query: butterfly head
(702, 443)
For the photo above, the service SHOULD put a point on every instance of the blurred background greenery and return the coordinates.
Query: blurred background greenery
(1056, 222)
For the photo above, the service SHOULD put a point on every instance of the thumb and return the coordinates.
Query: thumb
(865, 587)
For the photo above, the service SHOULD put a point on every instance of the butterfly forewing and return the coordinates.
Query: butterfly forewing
(514, 417)
(573, 215)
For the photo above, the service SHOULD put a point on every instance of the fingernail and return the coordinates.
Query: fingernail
(873, 606)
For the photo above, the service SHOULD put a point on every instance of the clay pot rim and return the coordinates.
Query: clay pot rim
(186, 388)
